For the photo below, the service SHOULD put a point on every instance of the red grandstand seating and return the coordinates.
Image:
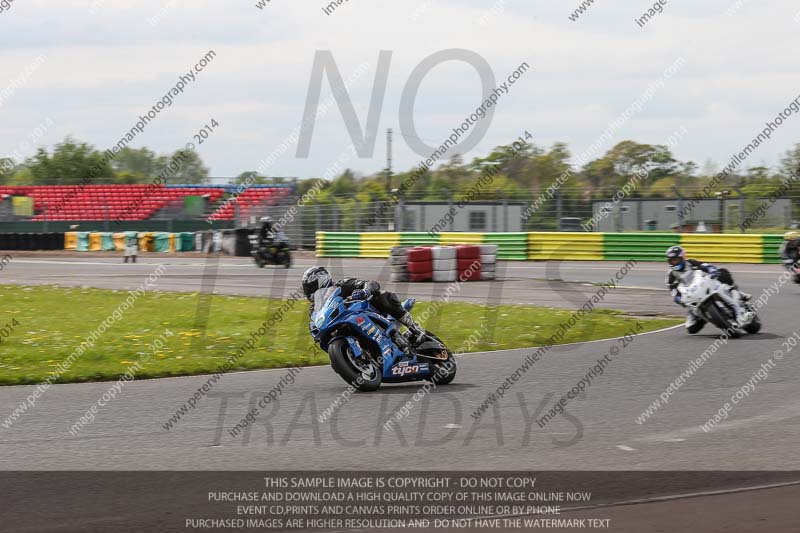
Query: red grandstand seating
(129, 202)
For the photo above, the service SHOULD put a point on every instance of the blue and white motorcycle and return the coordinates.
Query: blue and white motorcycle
(367, 349)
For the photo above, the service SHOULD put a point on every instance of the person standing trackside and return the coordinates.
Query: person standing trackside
(131, 246)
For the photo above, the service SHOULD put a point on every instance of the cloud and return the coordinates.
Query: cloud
(106, 67)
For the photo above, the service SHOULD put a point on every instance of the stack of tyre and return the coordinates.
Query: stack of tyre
(443, 263)
(488, 261)
(468, 262)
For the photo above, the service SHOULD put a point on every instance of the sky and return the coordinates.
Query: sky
(90, 68)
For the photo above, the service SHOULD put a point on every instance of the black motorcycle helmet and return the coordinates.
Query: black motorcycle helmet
(315, 278)
(676, 257)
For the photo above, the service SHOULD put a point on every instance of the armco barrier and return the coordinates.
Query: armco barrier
(510, 246)
(338, 244)
(771, 248)
(638, 246)
(446, 238)
(566, 246)
(377, 244)
(415, 238)
(724, 248)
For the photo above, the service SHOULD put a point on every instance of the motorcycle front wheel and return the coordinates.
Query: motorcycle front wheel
(443, 371)
(361, 373)
(718, 319)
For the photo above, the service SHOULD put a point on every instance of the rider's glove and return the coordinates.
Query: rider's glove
(677, 299)
(361, 294)
(715, 273)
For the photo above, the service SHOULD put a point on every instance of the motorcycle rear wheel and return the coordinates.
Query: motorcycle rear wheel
(360, 373)
(754, 326)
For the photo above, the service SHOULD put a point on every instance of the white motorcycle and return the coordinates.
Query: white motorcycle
(702, 294)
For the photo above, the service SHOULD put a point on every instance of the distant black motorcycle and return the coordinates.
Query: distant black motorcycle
(270, 252)
(795, 270)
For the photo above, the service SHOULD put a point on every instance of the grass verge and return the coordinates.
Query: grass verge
(53, 321)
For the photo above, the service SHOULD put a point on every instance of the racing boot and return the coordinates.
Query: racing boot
(742, 296)
(743, 316)
(416, 332)
(693, 322)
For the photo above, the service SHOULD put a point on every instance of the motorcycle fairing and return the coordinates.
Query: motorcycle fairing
(331, 312)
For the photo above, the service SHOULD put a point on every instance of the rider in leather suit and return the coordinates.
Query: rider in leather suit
(790, 249)
(680, 267)
(385, 302)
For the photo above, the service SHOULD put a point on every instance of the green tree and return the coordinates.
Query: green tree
(344, 184)
(137, 165)
(71, 162)
(790, 163)
(627, 159)
(7, 169)
(191, 171)
(251, 177)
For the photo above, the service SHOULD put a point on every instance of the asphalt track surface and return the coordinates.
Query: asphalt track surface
(597, 432)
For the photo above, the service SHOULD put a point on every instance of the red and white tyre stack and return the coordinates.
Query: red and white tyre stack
(420, 264)
(398, 262)
(488, 261)
(444, 263)
(463, 262)
(468, 263)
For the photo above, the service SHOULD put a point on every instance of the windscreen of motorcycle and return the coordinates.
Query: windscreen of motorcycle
(688, 277)
(321, 298)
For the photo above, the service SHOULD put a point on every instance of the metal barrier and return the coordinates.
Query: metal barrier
(565, 246)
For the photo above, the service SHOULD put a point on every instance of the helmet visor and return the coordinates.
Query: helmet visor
(675, 261)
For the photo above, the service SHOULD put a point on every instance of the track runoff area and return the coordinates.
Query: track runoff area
(663, 420)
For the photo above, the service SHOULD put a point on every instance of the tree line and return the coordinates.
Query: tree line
(519, 173)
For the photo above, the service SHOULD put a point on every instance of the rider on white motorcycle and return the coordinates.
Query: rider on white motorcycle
(790, 249)
(680, 274)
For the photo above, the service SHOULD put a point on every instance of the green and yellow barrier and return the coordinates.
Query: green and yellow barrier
(96, 241)
(510, 246)
(186, 242)
(119, 241)
(71, 240)
(82, 244)
(565, 246)
(450, 238)
(338, 244)
(377, 244)
(771, 247)
(724, 248)
(418, 238)
(638, 246)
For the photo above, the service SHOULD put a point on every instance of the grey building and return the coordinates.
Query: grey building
(661, 214)
(475, 216)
